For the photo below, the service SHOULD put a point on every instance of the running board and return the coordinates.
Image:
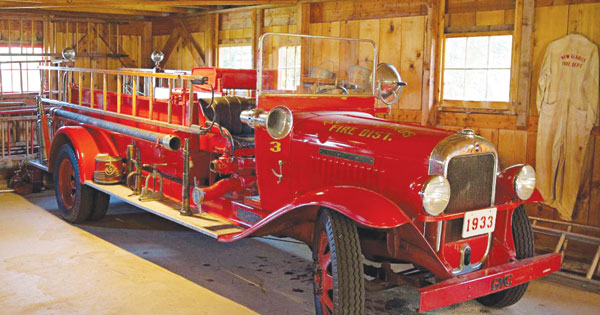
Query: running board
(205, 223)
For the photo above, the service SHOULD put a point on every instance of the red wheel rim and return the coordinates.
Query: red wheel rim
(324, 275)
(66, 184)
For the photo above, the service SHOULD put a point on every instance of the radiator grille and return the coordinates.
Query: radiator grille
(471, 180)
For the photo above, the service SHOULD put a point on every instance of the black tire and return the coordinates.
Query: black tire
(101, 202)
(524, 248)
(74, 199)
(340, 242)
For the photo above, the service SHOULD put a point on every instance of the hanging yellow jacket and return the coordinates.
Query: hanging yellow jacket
(567, 101)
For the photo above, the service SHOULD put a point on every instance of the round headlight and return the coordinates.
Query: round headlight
(525, 182)
(436, 195)
(279, 122)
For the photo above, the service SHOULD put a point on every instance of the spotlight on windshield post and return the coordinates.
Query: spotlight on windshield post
(69, 54)
(157, 56)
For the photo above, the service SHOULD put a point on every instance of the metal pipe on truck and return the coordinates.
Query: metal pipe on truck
(168, 141)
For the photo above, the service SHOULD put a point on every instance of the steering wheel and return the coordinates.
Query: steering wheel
(340, 87)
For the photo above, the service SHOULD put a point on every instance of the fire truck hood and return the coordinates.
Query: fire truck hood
(365, 135)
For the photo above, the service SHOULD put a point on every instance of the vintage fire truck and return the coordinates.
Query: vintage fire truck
(294, 149)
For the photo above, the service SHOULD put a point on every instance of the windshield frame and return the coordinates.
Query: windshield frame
(259, 67)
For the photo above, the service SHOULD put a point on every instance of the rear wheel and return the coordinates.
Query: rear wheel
(338, 270)
(523, 237)
(73, 198)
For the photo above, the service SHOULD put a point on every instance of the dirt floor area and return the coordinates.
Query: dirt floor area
(136, 262)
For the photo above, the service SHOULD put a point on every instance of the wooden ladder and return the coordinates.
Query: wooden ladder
(564, 236)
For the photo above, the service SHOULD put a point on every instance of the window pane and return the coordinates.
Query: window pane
(455, 52)
(477, 52)
(475, 83)
(454, 84)
(498, 85)
(500, 51)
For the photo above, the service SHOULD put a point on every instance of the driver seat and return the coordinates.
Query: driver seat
(226, 112)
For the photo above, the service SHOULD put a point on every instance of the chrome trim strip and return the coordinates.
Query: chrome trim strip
(347, 156)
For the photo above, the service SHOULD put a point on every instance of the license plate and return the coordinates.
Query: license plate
(479, 222)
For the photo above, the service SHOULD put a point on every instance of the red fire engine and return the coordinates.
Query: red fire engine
(294, 149)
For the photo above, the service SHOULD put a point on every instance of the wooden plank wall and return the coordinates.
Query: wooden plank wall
(55, 34)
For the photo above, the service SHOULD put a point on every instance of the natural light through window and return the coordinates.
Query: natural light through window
(288, 68)
(235, 57)
(477, 68)
(19, 73)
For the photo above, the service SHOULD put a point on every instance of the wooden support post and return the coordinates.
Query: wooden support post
(302, 18)
(216, 39)
(146, 45)
(257, 27)
(211, 60)
(523, 50)
(432, 61)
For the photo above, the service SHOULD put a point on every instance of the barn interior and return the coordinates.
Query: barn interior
(133, 261)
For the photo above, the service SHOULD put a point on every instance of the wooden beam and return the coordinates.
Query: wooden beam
(302, 18)
(258, 18)
(210, 42)
(170, 45)
(523, 50)
(432, 63)
(147, 46)
(193, 46)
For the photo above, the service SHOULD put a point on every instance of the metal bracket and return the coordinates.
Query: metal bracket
(148, 195)
(280, 175)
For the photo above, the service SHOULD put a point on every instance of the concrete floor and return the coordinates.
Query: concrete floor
(134, 262)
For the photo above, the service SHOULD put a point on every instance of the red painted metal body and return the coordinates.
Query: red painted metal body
(487, 281)
(338, 156)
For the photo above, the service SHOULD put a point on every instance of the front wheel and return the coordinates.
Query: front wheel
(339, 286)
(524, 247)
(74, 199)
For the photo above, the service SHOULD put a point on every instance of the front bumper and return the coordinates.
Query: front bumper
(487, 281)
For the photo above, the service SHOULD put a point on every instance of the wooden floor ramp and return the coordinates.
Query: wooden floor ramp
(205, 223)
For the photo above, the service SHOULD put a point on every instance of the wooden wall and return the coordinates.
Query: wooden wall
(93, 39)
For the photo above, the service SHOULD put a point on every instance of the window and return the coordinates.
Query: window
(19, 73)
(235, 57)
(288, 68)
(477, 68)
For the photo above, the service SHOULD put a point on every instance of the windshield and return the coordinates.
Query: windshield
(304, 64)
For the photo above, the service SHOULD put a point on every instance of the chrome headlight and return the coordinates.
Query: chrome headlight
(436, 195)
(279, 122)
(525, 182)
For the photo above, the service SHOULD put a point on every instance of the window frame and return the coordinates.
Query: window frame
(477, 106)
(24, 71)
(235, 45)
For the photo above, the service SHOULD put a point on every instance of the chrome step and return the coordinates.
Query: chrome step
(205, 223)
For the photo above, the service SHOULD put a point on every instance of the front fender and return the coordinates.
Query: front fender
(85, 147)
(367, 208)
